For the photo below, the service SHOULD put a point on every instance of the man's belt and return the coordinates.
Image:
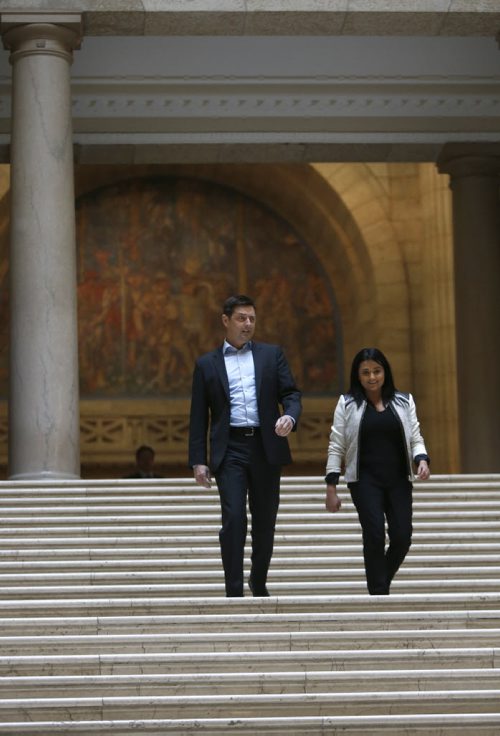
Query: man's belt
(245, 431)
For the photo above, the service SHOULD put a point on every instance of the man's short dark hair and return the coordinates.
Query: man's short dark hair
(240, 300)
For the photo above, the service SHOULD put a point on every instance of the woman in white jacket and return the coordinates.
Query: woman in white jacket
(376, 437)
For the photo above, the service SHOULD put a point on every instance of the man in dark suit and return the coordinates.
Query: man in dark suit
(237, 390)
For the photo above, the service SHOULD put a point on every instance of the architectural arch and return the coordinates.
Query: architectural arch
(341, 212)
(356, 247)
(314, 206)
(384, 308)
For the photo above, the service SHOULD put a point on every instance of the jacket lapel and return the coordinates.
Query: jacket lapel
(257, 361)
(220, 367)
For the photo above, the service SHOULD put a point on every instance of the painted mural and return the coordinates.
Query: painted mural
(156, 259)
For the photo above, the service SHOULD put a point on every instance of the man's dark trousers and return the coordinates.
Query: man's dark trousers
(245, 469)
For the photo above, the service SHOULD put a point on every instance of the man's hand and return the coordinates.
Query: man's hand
(202, 475)
(332, 502)
(283, 426)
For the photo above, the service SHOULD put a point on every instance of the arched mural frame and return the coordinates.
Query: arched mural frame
(158, 254)
(303, 197)
(310, 203)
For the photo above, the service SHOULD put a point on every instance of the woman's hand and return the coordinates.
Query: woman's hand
(332, 502)
(423, 471)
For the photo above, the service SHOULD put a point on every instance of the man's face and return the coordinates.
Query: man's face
(240, 326)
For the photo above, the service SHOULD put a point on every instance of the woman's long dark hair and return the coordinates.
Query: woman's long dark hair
(356, 389)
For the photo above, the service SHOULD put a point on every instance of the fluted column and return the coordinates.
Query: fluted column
(475, 184)
(43, 393)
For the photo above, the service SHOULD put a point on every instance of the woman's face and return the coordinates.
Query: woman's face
(371, 376)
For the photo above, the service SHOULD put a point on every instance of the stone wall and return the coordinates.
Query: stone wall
(403, 213)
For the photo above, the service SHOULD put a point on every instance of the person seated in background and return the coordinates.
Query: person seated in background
(144, 463)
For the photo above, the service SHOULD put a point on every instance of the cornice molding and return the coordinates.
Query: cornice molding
(332, 103)
(364, 105)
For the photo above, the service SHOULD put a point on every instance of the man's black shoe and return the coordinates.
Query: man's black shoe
(258, 592)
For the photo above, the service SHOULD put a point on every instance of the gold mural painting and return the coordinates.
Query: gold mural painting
(158, 256)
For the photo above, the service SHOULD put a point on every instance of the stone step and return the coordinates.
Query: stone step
(44, 686)
(214, 586)
(188, 479)
(280, 580)
(247, 661)
(403, 584)
(192, 494)
(71, 562)
(424, 495)
(185, 548)
(484, 540)
(143, 527)
(137, 605)
(424, 724)
(375, 623)
(190, 506)
(309, 507)
(189, 501)
(139, 523)
(236, 706)
(261, 640)
(294, 481)
(210, 513)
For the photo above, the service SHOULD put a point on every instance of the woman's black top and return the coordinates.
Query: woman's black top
(382, 455)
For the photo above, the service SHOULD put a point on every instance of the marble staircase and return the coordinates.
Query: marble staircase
(113, 620)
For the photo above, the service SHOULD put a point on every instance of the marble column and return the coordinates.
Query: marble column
(475, 184)
(43, 392)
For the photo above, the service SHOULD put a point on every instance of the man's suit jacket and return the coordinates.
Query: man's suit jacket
(210, 405)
